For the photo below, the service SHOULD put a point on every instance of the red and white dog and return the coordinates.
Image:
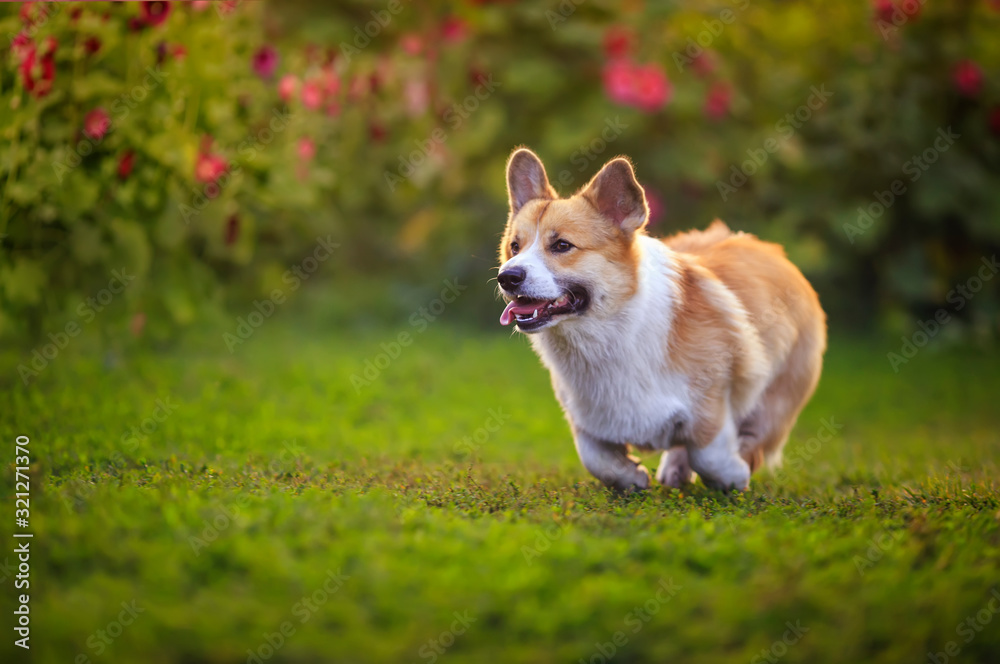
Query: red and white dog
(705, 345)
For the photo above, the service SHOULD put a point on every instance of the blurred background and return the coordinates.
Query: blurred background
(207, 149)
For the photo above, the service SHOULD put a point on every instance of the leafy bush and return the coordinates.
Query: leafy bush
(402, 116)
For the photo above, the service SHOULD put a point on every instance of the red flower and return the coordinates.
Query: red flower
(884, 9)
(232, 230)
(619, 81)
(34, 13)
(154, 13)
(617, 42)
(454, 29)
(265, 61)
(209, 167)
(703, 64)
(312, 95)
(411, 43)
(968, 78)
(96, 124)
(717, 101)
(995, 120)
(307, 149)
(21, 46)
(38, 69)
(377, 131)
(288, 86)
(125, 164)
(92, 45)
(652, 88)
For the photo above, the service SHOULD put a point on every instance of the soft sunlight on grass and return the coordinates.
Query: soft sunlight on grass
(272, 478)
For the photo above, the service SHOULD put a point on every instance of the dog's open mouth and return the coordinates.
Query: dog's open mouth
(532, 314)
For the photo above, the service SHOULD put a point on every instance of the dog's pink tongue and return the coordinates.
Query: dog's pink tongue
(506, 316)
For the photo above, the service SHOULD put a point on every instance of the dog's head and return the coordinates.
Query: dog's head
(566, 259)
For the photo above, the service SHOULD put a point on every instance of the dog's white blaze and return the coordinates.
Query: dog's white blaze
(606, 372)
(539, 282)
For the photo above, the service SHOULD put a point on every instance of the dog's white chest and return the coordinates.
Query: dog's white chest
(612, 377)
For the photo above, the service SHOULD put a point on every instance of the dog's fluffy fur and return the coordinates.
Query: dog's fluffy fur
(705, 345)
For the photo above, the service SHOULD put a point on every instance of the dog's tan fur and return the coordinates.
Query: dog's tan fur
(743, 332)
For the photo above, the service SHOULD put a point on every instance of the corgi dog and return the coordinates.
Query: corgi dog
(705, 345)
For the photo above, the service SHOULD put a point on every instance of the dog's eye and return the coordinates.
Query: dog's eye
(561, 246)
(514, 248)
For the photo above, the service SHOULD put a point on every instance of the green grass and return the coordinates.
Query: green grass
(510, 531)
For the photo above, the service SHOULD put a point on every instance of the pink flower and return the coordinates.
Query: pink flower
(717, 101)
(34, 13)
(209, 167)
(125, 164)
(453, 30)
(312, 95)
(307, 149)
(200, 5)
(154, 13)
(288, 86)
(96, 123)
(417, 96)
(968, 78)
(265, 61)
(652, 88)
(331, 82)
(619, 81)
(617, 42)
(411, 43)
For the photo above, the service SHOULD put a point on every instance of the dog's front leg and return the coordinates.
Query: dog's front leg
(718, 462)
(610, 462)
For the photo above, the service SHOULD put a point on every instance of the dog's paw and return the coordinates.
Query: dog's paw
(674, 470)
(634, 482)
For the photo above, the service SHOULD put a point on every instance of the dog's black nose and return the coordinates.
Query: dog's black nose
(512, 278)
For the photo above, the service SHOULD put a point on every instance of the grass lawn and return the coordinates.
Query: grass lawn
(440, 513)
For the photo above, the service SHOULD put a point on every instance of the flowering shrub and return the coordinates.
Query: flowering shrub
(202, 145)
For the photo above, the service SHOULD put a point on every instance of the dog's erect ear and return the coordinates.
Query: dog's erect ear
(526, 179)
(618, 196)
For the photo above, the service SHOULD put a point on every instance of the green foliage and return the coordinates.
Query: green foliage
(259, 474)
(400, 122)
